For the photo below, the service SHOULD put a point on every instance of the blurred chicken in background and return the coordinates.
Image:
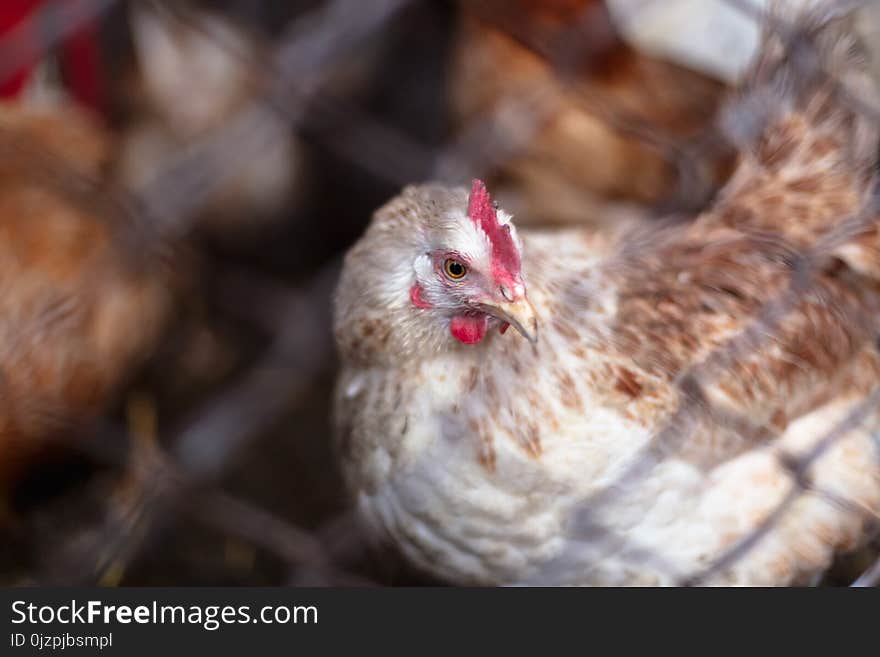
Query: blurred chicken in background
(195, 70)
(611, 120)
(80, 303)
(83, 297)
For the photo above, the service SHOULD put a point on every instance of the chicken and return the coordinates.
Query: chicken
(664, 402)
(83, 295)
(197, 70)
(589, 98)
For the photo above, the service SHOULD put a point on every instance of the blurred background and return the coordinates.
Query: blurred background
(242, 147)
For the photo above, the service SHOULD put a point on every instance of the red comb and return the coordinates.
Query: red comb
(505, 255)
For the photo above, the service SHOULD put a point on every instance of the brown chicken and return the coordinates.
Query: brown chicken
(700, 406)
(605, 122)
(82, 296)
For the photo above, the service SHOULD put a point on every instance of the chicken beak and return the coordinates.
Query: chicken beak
(519, 314)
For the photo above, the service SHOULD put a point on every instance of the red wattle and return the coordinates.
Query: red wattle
(469, 329)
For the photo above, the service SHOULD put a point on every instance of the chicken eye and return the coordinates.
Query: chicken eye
(454, 269)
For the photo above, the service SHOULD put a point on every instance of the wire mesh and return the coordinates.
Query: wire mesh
(216, 467)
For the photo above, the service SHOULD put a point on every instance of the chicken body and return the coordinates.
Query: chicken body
(691, 393)
(590, 98)
(81, 301)
(477, 460)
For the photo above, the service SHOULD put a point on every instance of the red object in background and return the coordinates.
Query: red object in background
(79, 52)
(12, 13)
